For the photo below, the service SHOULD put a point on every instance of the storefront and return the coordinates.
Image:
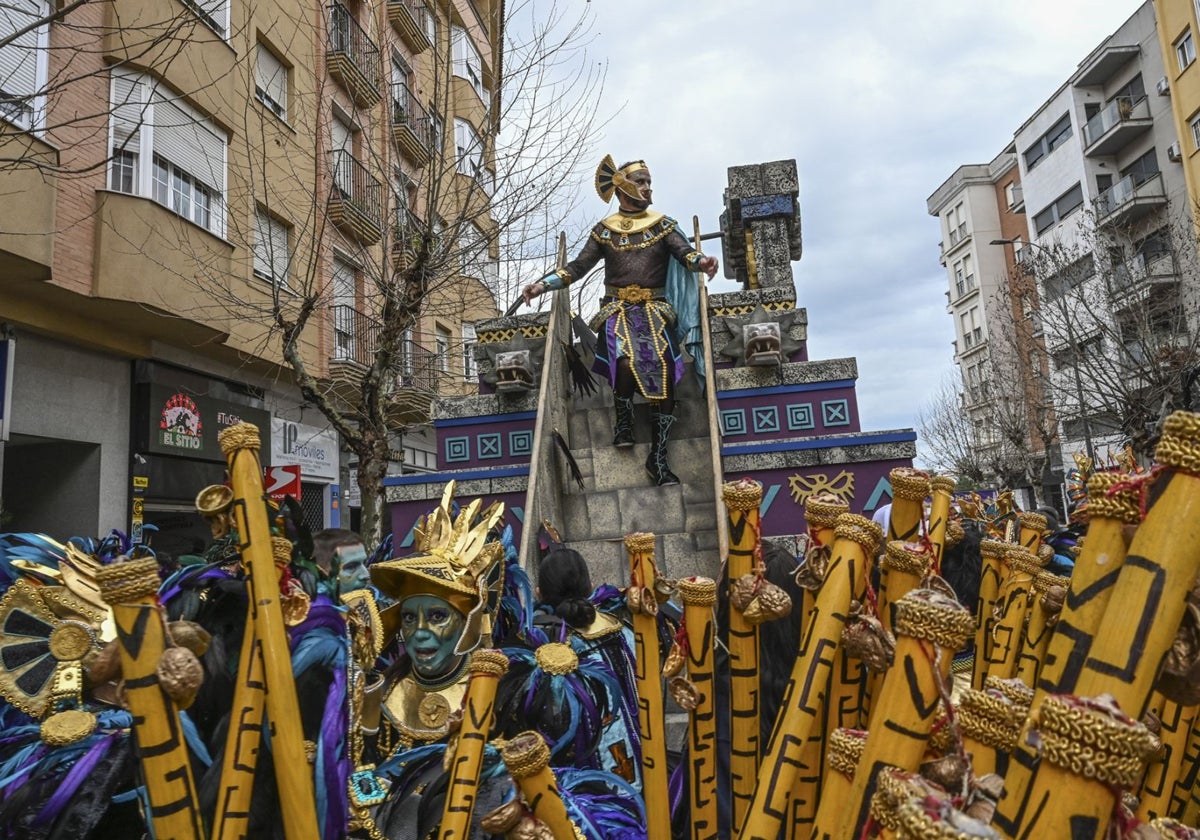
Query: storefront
(177, 416)
(315, 451)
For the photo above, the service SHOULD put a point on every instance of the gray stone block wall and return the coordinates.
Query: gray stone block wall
(790, 373)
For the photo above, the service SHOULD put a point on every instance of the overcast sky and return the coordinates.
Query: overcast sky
(878, 101)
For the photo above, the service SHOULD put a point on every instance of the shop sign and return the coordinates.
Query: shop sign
(313, 449)
(187, 424)
(282, 481)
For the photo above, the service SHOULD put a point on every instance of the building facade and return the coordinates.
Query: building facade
(182, 177)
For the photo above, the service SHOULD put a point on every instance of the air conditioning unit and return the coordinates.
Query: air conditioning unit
(1163, 87)
(1174, 152)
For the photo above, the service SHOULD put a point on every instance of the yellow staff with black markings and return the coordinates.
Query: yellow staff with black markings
(1048, 593)
(486, 667)
(1011, 608)
(800, 708)
(527, 757)
(651, 723)
(293, 774)
(993, 553)
(1032, 526)
(699, 595)
(844, 749)
(1185, 801)
(906, 564)
(130, 588)
(1157, 795)
(909, 490)
(930, 628)
(991, 722)
(941, 489)
(742, 499)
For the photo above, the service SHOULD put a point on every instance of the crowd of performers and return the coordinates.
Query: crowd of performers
(971, 671)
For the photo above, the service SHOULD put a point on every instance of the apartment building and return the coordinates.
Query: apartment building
(1178, 32)
(1092, 244)
(179, 177)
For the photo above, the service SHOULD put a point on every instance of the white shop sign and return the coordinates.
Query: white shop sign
(314, 449)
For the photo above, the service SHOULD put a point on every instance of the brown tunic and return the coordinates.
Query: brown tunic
(636, 258)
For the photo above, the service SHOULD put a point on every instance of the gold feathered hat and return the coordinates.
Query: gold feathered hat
(455, 559)
(609, 178)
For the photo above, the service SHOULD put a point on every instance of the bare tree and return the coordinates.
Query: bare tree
(365, 216)
(948, 441)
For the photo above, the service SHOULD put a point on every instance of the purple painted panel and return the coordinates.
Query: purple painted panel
(864, 486)
(485, 444)
(405, 514)
(800, 414)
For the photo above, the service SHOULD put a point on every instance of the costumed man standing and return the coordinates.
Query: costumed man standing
(650, 308)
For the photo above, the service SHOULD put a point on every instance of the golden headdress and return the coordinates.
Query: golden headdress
(609, 178)
(455, 559)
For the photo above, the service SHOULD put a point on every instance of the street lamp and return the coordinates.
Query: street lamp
(1083, 416)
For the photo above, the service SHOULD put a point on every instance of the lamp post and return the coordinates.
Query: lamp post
(1083, 416)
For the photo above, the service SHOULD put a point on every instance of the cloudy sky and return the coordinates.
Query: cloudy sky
(878, 101)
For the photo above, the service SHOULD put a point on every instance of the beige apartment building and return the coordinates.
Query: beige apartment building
(180, 178)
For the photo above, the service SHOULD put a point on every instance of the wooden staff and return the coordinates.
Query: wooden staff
(1048, 592)
(651, 723)
(130, 588)
(993, 552)
(930, 627)
(1157, 795)
(941, 488)
(1092, 580)
(800, 708)
(906, 564)
(486, 667)
(699, 595)
(1012, 604)
(527, 757)
(293, 774)
(990, 724)
(742, 499)
(845, 748)
(1033, 525)
(1185, 801)
(909, 489)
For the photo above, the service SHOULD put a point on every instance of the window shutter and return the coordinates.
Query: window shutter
(458, 47)
(128, 112)
(19, 59)
(279, 252)
(187, 142)
(271, 77)
(262, 243)
(217, 12)
(343, 284)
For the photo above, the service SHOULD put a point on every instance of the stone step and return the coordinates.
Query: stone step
(677, 555)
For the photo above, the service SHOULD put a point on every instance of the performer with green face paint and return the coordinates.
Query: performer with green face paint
(342, 559)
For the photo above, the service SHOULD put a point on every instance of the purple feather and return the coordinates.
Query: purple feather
(70, 783)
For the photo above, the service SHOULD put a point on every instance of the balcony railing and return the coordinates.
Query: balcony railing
(355, 204)
(410, 19)
(1156, 265)
(1116, 125)
(353, 58)
(356, 337)
(958, 235)
(410, 125)
(1131, 198)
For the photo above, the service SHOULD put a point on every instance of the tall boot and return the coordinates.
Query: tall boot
(660, 429)
(623, 427)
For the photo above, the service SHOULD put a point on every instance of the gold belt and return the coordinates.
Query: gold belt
(634, 294)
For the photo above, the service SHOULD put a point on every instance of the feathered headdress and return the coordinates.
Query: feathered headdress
(457, 558)
(609, 178)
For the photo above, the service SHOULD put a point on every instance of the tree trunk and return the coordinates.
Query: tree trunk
(372, 467)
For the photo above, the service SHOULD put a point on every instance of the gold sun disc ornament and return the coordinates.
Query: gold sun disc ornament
(434, 711)
(65, 728)
(71, 640)
(556, 658)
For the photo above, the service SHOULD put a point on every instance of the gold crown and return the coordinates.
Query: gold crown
(609, 178)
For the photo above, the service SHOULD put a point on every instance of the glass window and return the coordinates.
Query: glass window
(271, 82)
(1058, 134)
(270, 248)
(1195, 124)
(470, 369)
(1185, 51)
(23, 65)
(442, 348)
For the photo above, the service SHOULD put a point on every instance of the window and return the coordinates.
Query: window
(1195, 124)
(1058, 134)
(271, 82)
(472, 250)
(1142, 169)
(1185, 50)
(270, 248)
(965, 322)
(344, 314)
(214, 13)
(1010, 193)
(467, 64)
(960, 282)
(437, 131)
(165, 150)
(468, 149)
(23, 63)
(470, 370)
(442, 347)
(1062, 207)
(970, 274)
(430, 22)
(341, 139)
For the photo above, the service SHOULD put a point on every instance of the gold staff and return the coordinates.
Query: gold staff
(742, 498)
(843, 751)
(800, 709)
(699, 594)
(990, 723)
(905, 564)
(993, 552)
(1033, 525)
(1095, 574)
(486, 667)
(528, 760)
(1157, 795)
(130, 588)
(293, 774)
(1048, 592)
(651, 723)
(930, 627)
(1185, 801)
(1012, 604)
(909, 489)
(941, 488)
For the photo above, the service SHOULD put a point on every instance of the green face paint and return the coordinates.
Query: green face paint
(352, 568)
(431, 628)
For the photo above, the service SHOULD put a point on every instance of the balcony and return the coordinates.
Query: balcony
(958, 236)
(411, 127)
(27, 224)
(356, 338)
(1132, 198)
(354, 204)
(407, 231)
(1119, 124)
(1135, 280)
(352, 57)
(1099, 67)
(408, 18)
